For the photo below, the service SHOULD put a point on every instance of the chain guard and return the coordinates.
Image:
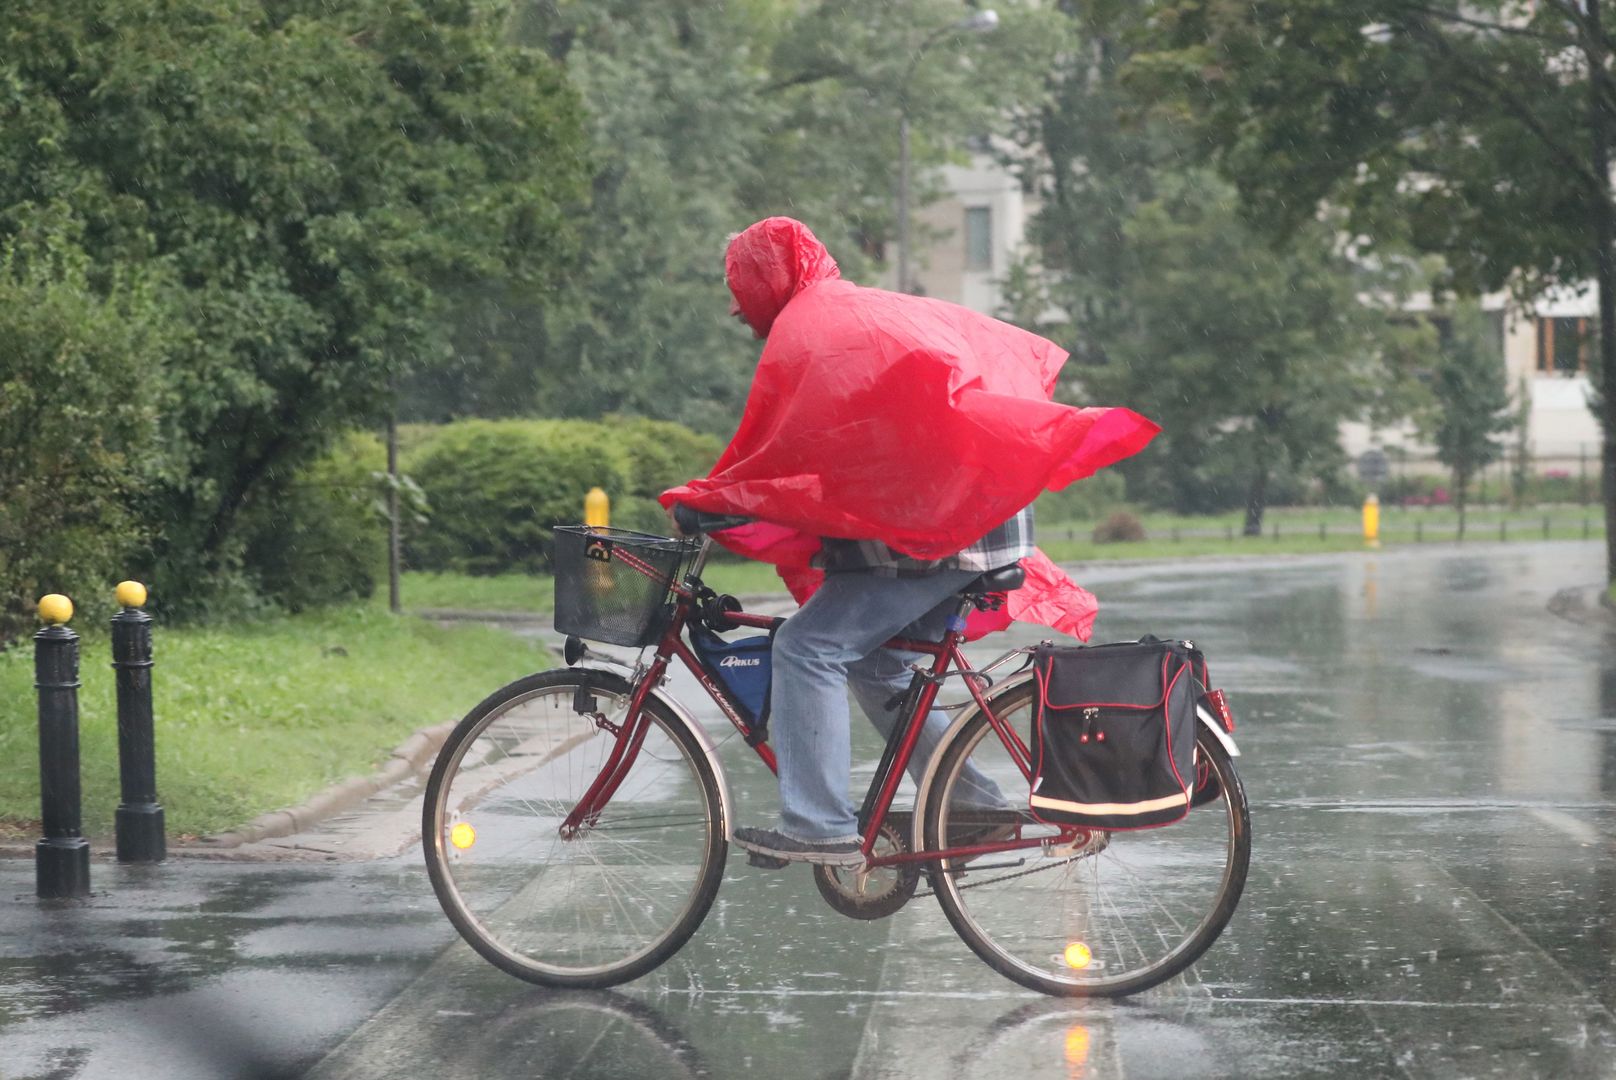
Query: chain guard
(874, 894)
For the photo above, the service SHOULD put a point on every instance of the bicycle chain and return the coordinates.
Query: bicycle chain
(1012, 877)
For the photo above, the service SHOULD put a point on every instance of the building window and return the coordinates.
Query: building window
(1562, 346)
(978, 238)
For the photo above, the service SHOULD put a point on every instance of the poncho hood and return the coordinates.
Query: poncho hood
(770, 263)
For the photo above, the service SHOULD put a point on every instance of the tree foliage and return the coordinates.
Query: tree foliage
(1250, 356)
(1470, 404)
(316, 185)
(1480, 132)
(78, 422)
(706, 115)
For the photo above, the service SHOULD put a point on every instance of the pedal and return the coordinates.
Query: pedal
(766, 862)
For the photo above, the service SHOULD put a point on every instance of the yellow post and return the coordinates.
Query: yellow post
(1371, 520)
(597, 509)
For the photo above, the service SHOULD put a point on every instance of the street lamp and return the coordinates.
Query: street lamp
(977, 23)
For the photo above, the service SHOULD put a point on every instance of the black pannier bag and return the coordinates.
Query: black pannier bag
(1114, 733)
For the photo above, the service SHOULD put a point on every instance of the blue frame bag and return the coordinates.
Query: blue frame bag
(744, 668)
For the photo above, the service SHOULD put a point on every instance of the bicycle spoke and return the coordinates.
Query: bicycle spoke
(612, 896)
(1112, 920)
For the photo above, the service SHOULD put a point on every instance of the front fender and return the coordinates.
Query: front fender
(709, 748)
(697, 732)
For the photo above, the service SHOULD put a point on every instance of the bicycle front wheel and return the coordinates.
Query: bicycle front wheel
(587, 908)
(1111, 915)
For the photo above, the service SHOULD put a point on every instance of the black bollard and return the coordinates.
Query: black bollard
(62, 856)
(139, 817)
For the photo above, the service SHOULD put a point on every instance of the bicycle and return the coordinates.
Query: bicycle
(576, 822)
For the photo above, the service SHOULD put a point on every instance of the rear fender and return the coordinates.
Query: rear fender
(1216, 728)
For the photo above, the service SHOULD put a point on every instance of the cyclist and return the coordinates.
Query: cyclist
(859, 395)
(870, 594)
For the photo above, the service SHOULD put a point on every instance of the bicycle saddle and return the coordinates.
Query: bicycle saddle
(1004, 579)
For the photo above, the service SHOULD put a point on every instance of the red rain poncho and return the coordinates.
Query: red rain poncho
(875, 415)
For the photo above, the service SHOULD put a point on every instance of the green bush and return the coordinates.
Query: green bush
(80, 353)
(661, 454)
(1119, 528)
(1085, 500)
(322, 538)
(498, 487)
(1560, 486)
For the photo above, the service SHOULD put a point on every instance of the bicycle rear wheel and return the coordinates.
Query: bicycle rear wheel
(1111, 916)
(616, 898)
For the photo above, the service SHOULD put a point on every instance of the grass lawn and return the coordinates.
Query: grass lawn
(1394, 520)
(421, 590)
(1082, 549)
(257, 716)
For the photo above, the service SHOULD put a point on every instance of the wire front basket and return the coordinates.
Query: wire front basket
(616, 585)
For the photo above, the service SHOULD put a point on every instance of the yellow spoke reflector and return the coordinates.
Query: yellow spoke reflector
(1078, 955)
(463, 836)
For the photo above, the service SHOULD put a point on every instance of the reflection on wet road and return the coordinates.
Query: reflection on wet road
(1431, 760)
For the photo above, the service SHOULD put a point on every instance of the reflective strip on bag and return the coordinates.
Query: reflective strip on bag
(1104, 808)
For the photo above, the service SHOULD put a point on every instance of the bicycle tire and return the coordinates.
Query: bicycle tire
(606, 905)
(1135, 912)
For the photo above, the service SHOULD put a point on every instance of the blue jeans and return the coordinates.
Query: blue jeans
(835, 641)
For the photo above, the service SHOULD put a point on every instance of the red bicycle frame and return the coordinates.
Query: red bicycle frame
(631, 734)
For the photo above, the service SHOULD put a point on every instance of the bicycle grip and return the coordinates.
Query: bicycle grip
(711, 523)
(692, 522)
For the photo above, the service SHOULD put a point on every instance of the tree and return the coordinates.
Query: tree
(316, 183)
(1249, 357)
(78, 421)
(709, 114)
(1479, 131)
(1471, 405)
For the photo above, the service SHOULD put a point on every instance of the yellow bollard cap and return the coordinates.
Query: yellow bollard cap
(55, 609)
(131, 594)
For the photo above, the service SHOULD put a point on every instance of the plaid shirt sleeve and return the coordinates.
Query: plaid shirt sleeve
(1005, 545)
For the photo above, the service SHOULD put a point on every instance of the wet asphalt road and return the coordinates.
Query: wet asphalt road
(1431, 760)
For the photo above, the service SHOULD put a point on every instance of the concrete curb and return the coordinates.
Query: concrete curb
(411, 758)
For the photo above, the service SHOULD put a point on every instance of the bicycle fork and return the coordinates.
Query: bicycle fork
(630, 736)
